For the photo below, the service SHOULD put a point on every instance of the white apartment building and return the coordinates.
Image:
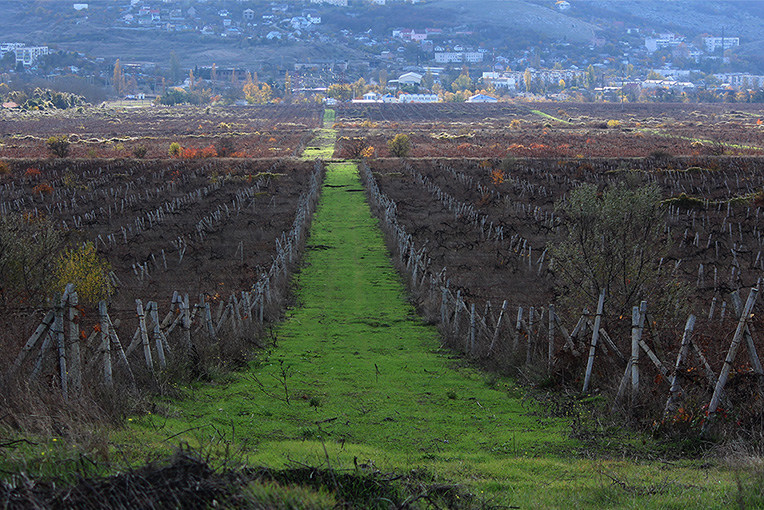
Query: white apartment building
(458, 57)
(25, 54)
(714, 43)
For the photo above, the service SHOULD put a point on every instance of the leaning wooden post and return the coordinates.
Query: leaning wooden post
(75, 361)
(498, 326)
(741, 325)
(637, 325)
(58, 331)
(144, 335)
(595, 337)
(187, 322)
(41, 330)
(683, 352)
(158, 335)
(755, 361)
(105, 344)
(550, 345)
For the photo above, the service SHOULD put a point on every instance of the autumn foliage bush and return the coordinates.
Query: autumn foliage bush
(89, 273)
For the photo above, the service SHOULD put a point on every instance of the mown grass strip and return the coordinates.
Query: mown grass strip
(322, 145)
(658, 132)
(550, 117)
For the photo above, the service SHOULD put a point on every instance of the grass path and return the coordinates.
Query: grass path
(356, 374)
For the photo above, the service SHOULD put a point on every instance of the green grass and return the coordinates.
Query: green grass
(664, 134)
(322, 145)
(356, 376)
(550, 117)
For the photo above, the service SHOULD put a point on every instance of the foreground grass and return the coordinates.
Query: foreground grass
(356, 382)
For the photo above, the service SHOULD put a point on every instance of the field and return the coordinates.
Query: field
(254, 132)
(470, 221)
(559, 130)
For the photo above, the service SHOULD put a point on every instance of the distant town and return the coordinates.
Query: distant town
(403, 64)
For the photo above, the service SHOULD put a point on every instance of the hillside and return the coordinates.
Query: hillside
(516, 15)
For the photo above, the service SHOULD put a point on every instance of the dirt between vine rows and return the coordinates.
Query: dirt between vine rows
(523, 203)
(565, 130)
(84, 191)
(250, 131)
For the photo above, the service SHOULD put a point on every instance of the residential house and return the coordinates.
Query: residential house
(248, 14)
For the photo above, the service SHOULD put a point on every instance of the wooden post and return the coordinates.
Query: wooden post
(744, 316)
(637, 324)
(595, 337)
(187, 322)
(472, 329)
(38, 333)
(75, 373)
(108, 379)
(456, 312)
(261, 298)
(550, 340)
(208, 320)
(58, 331)
(158, 335)
(755, 361)
(245, 298)
(443, 307)
(115, 341)
(144, 335)
(683, 352)
(498, 325)
(518, 329)
(46, 343)
(529, 350)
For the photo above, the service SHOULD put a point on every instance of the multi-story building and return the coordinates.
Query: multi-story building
(27, 55)
(458, 57)
(714, 43)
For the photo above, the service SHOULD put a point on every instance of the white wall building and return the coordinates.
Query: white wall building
(340, 3)
(418, 98)
(24, 54)
(714, 43)
(455, 57)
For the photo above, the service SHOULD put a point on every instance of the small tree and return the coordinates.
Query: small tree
(59, 145)
(614, 243)
(352, 147)
(87, 271)
(140, 151)
(28, 248)
(175, 150)
(400, 145)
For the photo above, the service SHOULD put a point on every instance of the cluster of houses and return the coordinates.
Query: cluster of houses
(681, 47)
